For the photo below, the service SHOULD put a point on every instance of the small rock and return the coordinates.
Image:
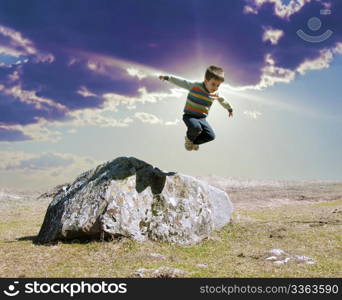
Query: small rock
(304, 259)
(276, 252)
(202, 265)
(140, 273)
(282, 262)
(157, 255)
(279, 257)
(271, 258)
(279, 236)
(162, 272)
(166, 272)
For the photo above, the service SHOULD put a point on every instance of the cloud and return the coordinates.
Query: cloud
(49, 104)
(15, 44)
(46, 161)
(31, 98)
(153, 119)
(14, 76)
(270, 75)
(250, 10)
(323, 61)
(42, 162)
(102, 117)
(147, 118)
(172, 123)
(281, 9)
(69, 73)
(114, 100)
(136, 73)
(50, 131)
(92, 117)
(290, 52)
(85, 92)
(72, 131)
(38, 132)
(46, 169)
(254, 115)
(12, 159)
(9, 134)
(272, 35)
(109, 65)
(338, 48)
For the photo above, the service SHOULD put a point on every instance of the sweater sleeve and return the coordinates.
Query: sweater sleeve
(225, 104)
(181, 82)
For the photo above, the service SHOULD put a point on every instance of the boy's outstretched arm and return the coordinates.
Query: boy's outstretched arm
(181, 82)
(226, 105)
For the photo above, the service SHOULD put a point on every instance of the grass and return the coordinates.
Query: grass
(236, 250)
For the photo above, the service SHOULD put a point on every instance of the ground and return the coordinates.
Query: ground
(301, 218)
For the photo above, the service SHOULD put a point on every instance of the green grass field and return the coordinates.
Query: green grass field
(236, 250)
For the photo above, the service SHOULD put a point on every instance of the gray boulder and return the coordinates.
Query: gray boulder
(129, 197)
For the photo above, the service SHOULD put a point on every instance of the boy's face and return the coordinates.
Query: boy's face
(212, 85)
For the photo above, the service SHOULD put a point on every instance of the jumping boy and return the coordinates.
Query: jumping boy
(200, 98)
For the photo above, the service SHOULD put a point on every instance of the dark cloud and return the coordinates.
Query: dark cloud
(7, 135)
(60, 81)
(164, 35)
(291, 51)
(15, 112)
(43, 162)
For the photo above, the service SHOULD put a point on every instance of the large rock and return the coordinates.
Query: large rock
(128, 197)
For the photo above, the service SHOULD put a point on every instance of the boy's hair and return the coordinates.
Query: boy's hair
(214, 72)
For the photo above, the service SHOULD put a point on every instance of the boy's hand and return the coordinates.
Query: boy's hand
(163, 77)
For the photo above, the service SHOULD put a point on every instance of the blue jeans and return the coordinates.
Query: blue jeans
(199, 130)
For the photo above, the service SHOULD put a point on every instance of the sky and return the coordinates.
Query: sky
(79, 86)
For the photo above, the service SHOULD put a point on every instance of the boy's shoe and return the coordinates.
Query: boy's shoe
(195, 147)
(189, 145)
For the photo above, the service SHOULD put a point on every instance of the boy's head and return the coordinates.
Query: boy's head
(214, 76)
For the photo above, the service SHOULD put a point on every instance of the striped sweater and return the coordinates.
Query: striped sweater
(199, 99)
